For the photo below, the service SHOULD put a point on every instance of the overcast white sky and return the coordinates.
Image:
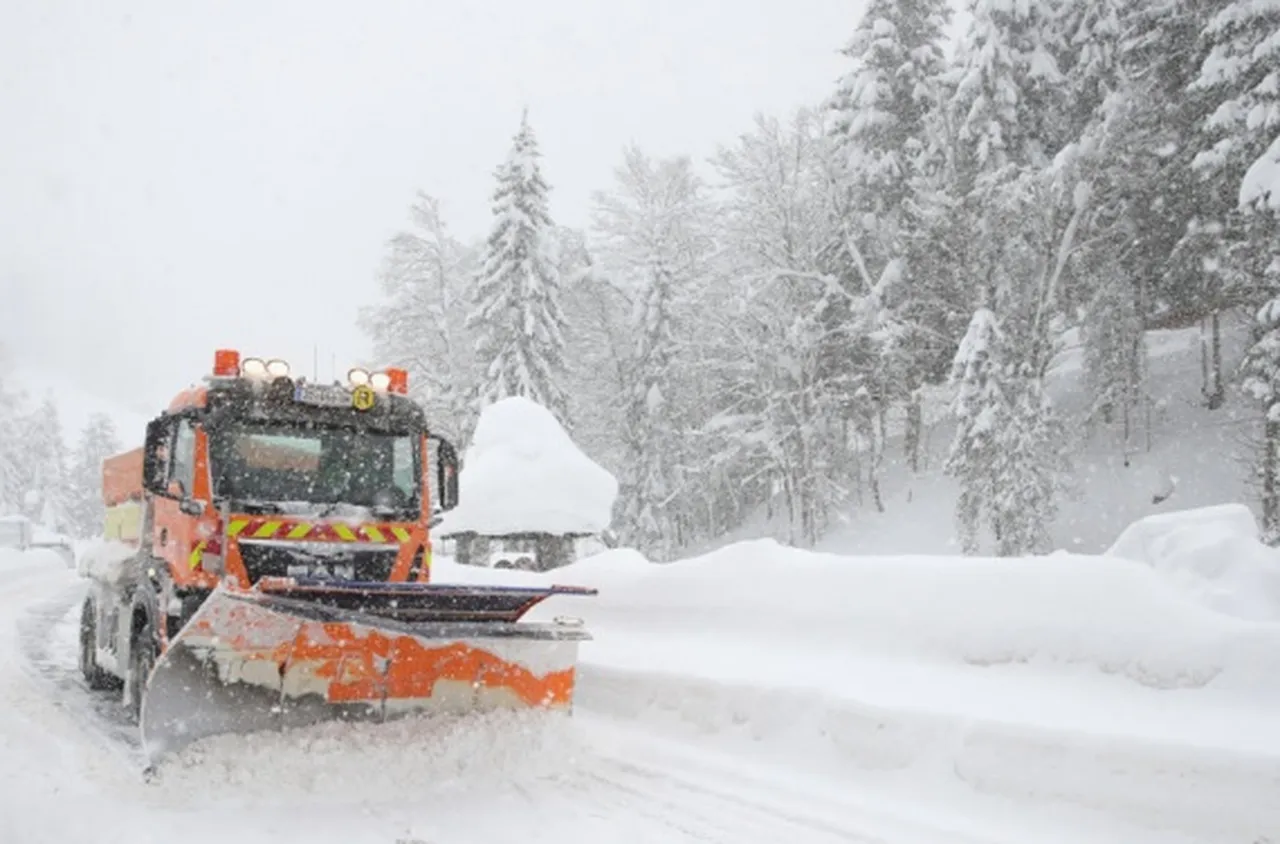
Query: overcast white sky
(182, 176)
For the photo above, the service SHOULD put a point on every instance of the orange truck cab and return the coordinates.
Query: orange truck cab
(253, 476)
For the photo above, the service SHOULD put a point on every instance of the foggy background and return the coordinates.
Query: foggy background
(181, 177)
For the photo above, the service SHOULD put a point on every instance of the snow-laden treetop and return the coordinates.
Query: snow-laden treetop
(522, 473)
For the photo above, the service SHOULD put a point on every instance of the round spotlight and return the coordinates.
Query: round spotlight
(380, 381)
(278, 368)
(253, 368)
(358, 377)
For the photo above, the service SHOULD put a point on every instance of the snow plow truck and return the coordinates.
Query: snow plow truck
(277, 568)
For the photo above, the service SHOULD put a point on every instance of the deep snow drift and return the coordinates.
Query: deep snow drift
(1214, 553)
(522, 473)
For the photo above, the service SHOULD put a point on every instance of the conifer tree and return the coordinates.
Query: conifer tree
(880, 135)
(1012, 127)
(1242, 72)
(43, 466)
(11, 452)
(85, 510)
(1006, 451)
(516, 311)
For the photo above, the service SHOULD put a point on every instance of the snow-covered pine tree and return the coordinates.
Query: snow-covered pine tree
(1242, 72)
(44, 466)
(879, 128)
(1114, 347)
(1006, 451)
(1261, 371)
(421, 326)
(981, 410)
(1170, 45)
(516, 310)
(85, 509)
(1009, 94)
(880, 105)
(1093, 33)
(12, 458)
(1241, 77)
(1109, 292)
(1026, 201)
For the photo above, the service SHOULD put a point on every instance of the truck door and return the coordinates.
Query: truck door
(174, 531)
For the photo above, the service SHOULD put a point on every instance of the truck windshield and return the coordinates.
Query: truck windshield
(299, 465)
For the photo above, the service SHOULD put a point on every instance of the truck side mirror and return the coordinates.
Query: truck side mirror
(446, 474)
(155, 457)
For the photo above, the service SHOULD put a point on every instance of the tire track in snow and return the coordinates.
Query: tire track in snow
(100, 715)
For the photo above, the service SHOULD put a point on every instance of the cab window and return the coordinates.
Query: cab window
(184, 456)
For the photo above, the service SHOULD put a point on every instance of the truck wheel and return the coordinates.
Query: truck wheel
(142, 658)
(97, 678)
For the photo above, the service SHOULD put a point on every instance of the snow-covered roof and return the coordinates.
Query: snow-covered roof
(523, 474)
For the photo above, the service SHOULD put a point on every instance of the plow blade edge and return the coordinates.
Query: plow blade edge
(295, 654)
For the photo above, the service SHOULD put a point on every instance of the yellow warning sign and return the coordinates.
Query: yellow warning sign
(363, 397)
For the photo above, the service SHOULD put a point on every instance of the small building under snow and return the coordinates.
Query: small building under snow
(526, 493)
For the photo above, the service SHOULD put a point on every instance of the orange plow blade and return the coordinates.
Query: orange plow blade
(290, 653)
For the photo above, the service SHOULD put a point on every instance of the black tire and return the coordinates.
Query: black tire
(94, 675)
(143, 653)
(503, 564)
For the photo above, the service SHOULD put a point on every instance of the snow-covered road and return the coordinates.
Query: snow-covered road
(622, 770)
(70, 774)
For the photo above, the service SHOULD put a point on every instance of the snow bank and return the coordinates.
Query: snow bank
(762, 612)
(32, 558)
(1213, 553)
(1087, 680)
(103, 559)
(522, 472)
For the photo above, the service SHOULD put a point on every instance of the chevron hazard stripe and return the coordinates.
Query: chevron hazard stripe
(255, 527)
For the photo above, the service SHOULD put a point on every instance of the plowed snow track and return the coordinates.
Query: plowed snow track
(70, 771)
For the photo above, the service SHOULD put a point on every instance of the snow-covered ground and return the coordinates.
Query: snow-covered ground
(758, 693)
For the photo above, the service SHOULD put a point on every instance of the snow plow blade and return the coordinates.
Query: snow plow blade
(293, 653)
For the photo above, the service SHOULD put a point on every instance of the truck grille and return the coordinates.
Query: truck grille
(284, 559)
